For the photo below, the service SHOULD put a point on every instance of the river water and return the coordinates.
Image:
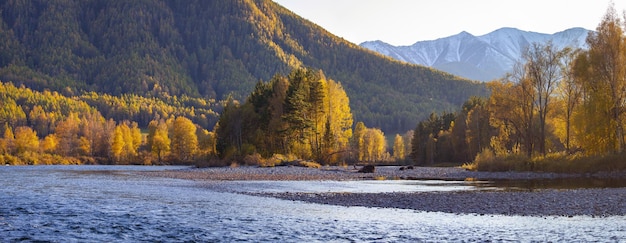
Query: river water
(113, 203)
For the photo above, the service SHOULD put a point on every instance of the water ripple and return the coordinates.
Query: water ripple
(53, 204)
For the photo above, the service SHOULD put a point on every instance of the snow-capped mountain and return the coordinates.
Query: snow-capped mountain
(484, 58)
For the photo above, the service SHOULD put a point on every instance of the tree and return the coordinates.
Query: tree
(512, 110)
(8, 140)
(374, 145)
(602, 72)
(206, 143)
(117, 152)
(125, 142)
(184, 141)
(408, 140)
(319, 110)
(339, 119)
(67, 132)
(478, 130)
(277, 126)
(11, 113)
(543, 68)
(357, 140)
(425, 146)
(298, 112)
(398, 148)
(49, 144)
(570, 92)
(39, 120)
(94, 132)
(158, 139)
(26, 140)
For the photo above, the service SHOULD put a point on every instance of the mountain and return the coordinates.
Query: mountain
(484, 58)
(210, 49)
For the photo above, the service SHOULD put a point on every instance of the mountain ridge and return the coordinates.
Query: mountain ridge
(485, 57)
(209, 49)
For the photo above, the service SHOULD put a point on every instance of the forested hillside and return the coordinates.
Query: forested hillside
(206, 49)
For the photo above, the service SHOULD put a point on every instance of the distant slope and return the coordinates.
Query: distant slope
(209, 49)
(484, 58)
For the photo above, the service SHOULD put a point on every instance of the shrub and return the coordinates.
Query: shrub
(256, 159)
(487, 160)
(554, 162)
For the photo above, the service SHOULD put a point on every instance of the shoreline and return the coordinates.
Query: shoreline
(338, 173)
(596, 202)
(602, 202)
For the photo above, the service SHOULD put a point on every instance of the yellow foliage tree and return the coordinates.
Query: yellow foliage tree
(158, 139)
(26, 140)
(206, 142)
(339, 120)
(49, 143)
(8, 139)
(117, 144)
(67, 133)
(374, 145)
(398, 148)
(602, 72)
(358, 142)
(184, 141)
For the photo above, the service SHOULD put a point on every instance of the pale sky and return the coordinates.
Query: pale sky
(404, 22)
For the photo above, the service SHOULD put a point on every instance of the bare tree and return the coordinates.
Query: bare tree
(543, 69)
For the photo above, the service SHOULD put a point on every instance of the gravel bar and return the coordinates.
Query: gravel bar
(545, 202)
(593, 202)
(295, 173)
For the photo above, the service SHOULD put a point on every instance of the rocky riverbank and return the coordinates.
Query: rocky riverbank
(295, 173)
(592, 202)
(541, 202)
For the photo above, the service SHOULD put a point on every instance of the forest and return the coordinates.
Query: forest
(206, 49)
(302, 115)
(559, 110)
(51, 128)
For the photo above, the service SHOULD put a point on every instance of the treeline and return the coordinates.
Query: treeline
(302, 115)
(556, 104)
(50, 128)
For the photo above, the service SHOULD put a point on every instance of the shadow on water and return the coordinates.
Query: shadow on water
(560, 183)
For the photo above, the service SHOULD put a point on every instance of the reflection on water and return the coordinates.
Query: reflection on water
(104, 204)
(559, 183)
(366, 186)
(386, 186)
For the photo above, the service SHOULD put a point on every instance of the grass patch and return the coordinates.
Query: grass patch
(556, 162)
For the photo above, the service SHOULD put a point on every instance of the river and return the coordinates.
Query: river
(116, 204)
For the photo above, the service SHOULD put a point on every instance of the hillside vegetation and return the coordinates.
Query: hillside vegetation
(206, 49)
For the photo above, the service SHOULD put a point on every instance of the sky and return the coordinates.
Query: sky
(404, 22)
